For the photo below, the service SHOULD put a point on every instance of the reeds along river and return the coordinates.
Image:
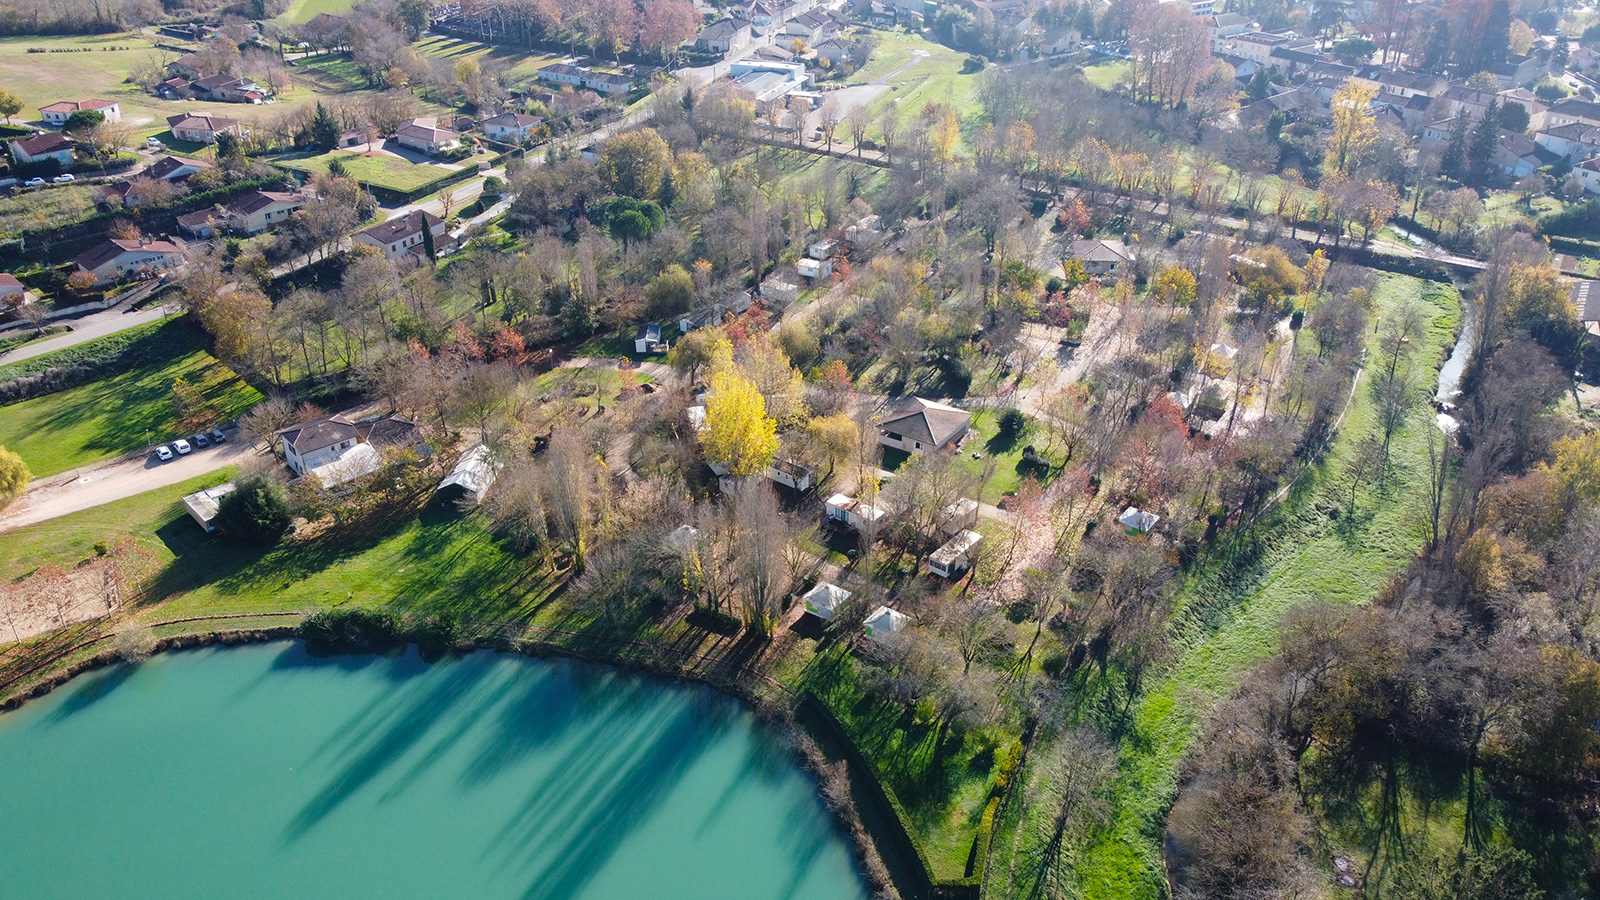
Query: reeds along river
(267, 772)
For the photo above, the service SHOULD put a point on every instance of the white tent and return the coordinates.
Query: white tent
(825, 599)
(884, 622)
(1136, 521)
(684, 538)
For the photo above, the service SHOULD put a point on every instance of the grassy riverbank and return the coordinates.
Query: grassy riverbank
(1229, 610)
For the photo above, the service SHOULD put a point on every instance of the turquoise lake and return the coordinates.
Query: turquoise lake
(267, 772)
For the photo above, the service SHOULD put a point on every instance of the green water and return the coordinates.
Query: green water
(264, 771)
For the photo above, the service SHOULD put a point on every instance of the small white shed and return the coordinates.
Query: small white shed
(953, 558)
(851, 512)
(814, 269)
(884, 622)
(958, 516)
(825, 599)
(203, 505)
(1136, 521)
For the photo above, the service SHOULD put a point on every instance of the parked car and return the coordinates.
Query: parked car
(153, 144)
(163, 453)
(217, 437)
(200, 440)
(65, 179)
(182, 446)
(33, 182)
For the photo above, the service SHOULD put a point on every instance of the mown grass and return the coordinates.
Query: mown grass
(122, 412)
(934, 78)
(1229, 610)
(301, 11)
(379, 169)
(1107, 75)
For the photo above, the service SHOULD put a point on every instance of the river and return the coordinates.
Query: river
(1454, 368)
(267, 772)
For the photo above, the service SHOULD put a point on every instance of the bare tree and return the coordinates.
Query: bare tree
(762, 537)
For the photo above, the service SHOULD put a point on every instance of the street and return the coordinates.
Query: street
(97, 325)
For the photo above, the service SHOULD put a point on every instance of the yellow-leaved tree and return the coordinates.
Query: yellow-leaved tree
(14, 476)
(739, 435)
(1355, 126)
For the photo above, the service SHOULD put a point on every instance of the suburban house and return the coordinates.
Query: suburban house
(1101, 257)
(955, 555)
(227, 89)
(884, 622)
(1588, 173)
(424, 135)
(472, 477)
(724, 36)
(824, 600)
(605, 83)
(1061, 40)
(116, 258)
(329, 448)
(252, 213)
(11, 290)
(203, 505)
(921, 426)
(835, 50)
(1517, 156)
(1585, 301)
(403, 235)
(175, 168)
(1575, 140)
(40, 148)
(174, 88)
(791, 474)
(60, 111)
(201, 128)
(511, 127)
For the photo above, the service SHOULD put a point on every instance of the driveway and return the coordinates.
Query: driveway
(87, 329)
(80, 489)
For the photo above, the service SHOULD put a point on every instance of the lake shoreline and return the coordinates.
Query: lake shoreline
(832, 776)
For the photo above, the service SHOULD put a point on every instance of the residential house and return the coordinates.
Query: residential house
(402, 235)
(1101, 257)
(116, 258)
(771, 53)
(226, 88)
(1293, 60)
(471, 478)
(921, 426)
(1518, 156)
(1226, 26)
(824, 600)
(174, 88)
(511, 127)
(204, 505)
(835, 50)
(187, 65)
(1572, 109)
(329, 448)
(43, 147)
(1522, 70)
(251, 213)
(1588, 173)
(201, 127)
(1585, 297)
(958, 516)
(605, 83)
(424, 135)
(59, 112)
(796, 476)
(955, 555)
(175, 168)
(1258, 45)
(1403, 83)
(1061, 40)
(725, 36)
(1575, 141)
(11, 290)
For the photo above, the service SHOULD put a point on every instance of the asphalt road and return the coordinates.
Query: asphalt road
(97, 325)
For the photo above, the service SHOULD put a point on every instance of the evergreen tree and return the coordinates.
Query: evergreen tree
(428, 246)
(667, 193)
(324, 130)
(1453, 162)
(1495, 44)
(1480, 149)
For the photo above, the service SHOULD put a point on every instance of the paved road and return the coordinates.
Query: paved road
(96, 325)
(80, 489)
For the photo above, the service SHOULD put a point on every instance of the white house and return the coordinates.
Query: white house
(1101, 257)
(59, 112)
(511, 127)
(117, 258)
(920, 426)
(402, 235)
(203, 505)
(424, 135)
(851, 512)
(648, 340)
(824, 600)
(954, 557)
(318, 442)
(793, 475)
(42, 147)
(885, 622)
(814, 269)
(1588, 173)
(724, 36)
(471, 478)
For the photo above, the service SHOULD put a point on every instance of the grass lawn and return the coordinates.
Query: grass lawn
(379, 169)
(43, 78)
(145, 517)
(522, 66)
(305, 10)
(111, 416)
(1229, 609)
(1006, 455)
(934, 77)
(1505, 208)
(46, 207)
(1107, 75)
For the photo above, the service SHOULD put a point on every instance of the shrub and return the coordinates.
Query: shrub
(1011, 422)
(353, 628)
(256, 512)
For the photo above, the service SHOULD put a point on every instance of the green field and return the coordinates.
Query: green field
(306, 10)
(380, 169)
(522, 65)
(47, 208)
(1106, 75)
(122, 413)
(43, 78)
(1228, 612)
(934, 76)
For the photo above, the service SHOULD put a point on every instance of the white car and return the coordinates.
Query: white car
(153, 144)
(182, 446)
(64, 179)
(33, 182)
(163, 453)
